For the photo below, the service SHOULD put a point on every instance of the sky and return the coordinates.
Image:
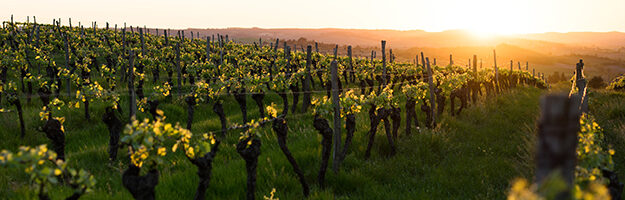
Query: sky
(480, 16)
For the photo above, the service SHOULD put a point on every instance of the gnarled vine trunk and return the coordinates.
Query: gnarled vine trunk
(141, 187)
(324, 129)
(204, 166)
(115, 128)
(240, 97)
(250, 154)
(280, 127)
(52, 129)
(258, 98)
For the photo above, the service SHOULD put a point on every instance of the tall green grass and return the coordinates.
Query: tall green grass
(471, 156)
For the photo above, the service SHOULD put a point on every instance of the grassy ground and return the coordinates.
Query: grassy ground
(472, 156)
(608, 107)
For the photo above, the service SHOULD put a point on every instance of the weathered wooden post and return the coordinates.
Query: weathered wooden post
(425, 69)
(221, 50)
(337, 118)
(316, 47)
(142, 42)
(527, 66)
(497, 88)
(476, 85)
(307, 80)
(557, 139)
(451, 60)
(580, 82)
(511, 65)
(432, 92)
(351, 65)
(383, 63)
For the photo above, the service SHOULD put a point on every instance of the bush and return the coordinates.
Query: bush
(596, 82)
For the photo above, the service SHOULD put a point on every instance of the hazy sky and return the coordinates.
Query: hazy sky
(486, 16)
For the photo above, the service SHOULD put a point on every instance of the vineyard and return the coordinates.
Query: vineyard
(120, 113)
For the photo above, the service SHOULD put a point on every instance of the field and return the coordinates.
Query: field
(478, 152)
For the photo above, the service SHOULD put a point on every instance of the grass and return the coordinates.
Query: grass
(471, 156)
(608, 108)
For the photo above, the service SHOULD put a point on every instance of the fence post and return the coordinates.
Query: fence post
(451, 60)
(475, 88)
(307, 79)
(337, 118)
(351, 65)
(580, 82)
(496, 72)
(383, 63)
(432, 92)
(557, 138)
(142, 42)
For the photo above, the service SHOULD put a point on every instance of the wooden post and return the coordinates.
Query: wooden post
(580, 82)
(351, 65)
(511, 65)
(316, 47)
(383, 63)
(131, 87)
(475, 65)
(527, 66)
(451, 60)
(432, 92)
(416, 60)
(95, 25)
(142, 42)
(337, 118)
(208, 49)
(496, 72)
(307, 80)
(221, 50)
(166, 38)
(425, 69)
(475, 86)
(557, 138)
